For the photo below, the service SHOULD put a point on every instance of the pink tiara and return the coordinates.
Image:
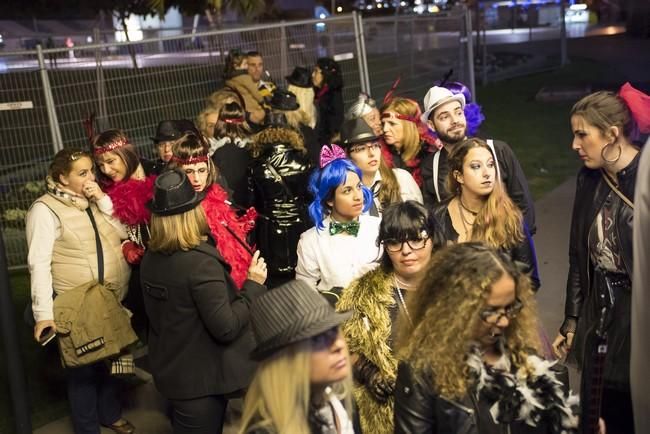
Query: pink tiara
(190, 160)
(330, 153)
(110, 147)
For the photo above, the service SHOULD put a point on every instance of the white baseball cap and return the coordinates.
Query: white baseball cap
(437, 96)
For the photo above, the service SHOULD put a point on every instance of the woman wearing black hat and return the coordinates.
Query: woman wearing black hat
(302, 382)
(279, 174)
(388, 185)
(327, 79)
(200, 339)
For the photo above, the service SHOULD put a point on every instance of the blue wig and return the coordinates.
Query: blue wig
(323, 183)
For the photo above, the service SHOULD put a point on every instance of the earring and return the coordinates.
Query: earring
(613, 161)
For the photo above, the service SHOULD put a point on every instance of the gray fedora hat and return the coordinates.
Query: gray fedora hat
(355, 131)
(288, 314)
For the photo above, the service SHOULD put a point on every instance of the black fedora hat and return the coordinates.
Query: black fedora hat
(283, 100)
(166, 131)
(355, 131)
(173, 194)
(288, 314)
(300, 77)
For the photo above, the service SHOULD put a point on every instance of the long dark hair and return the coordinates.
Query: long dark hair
(121, 146)
(232, 122)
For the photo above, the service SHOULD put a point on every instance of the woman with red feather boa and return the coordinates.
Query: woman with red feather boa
(190, 154)
(128, 183)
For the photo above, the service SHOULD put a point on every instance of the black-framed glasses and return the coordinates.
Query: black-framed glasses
(365, 146)
(494, 315)
(325, 339)
(395, 246)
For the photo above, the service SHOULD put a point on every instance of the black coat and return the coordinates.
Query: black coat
(511, 173)
(200, 338)
(330, 115)
(420, 409)
(444, 232)
(279, 179)
(231, 161)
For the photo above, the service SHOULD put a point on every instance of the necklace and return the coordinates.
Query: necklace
(401, 297)
(460, 200)
(463, 220)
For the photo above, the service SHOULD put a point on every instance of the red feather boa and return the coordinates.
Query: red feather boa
(219, 213)
(130, 199)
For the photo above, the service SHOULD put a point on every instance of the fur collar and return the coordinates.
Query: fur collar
(531, 394)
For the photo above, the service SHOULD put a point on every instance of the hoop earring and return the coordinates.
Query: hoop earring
(613, 161)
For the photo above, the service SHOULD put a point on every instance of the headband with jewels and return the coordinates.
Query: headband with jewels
(190, 160)
(330, 153)
(235, 121)
(110, 147)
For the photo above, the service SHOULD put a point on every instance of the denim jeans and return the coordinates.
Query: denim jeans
(93, 396)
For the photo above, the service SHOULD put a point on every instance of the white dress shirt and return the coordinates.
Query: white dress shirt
(326, 261)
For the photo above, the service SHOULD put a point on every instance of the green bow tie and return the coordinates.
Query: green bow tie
(351, 228)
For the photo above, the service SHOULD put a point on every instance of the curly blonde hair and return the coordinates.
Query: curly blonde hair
(445, 312)
(411, 143)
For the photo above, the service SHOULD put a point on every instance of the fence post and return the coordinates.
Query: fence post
(101, 85)
(563, 50)
(470, 53)
(364, 55)
(357, 43)
(284, 61)
(412, 44)
(12, 350)
(55, 132)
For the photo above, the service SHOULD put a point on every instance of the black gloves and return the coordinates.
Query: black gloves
(367, 373)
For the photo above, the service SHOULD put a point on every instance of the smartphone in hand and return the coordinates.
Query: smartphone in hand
(46, 336)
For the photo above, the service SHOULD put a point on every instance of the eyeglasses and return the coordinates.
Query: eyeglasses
(324, 340)
(494, 315)
(395, 246)
(366, 146)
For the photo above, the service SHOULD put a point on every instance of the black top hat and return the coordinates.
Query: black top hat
(173, 194)
(355, 131)
(288, 314)
(172, 130)
(300, 77)
(283, 100)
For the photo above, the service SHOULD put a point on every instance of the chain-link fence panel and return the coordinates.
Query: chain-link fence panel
(25, 147)
(133, 86)
(418, 50)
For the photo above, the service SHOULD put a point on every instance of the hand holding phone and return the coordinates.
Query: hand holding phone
(44, 331)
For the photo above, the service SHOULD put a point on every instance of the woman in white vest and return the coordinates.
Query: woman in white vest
(61, 231)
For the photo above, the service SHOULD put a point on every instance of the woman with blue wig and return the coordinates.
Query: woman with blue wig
(342, 245)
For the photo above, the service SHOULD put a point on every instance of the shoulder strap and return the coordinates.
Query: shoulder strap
(98, 243)
(490, 143)
(618, 192)
(436, 164)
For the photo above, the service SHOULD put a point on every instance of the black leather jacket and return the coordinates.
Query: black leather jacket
(278, 181)
(444, 232)
(420, 410)
(591, 192)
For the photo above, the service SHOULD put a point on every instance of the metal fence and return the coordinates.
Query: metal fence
(45, 93)
(514, 41)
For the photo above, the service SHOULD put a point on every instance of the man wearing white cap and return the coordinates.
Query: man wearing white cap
(444, 114)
